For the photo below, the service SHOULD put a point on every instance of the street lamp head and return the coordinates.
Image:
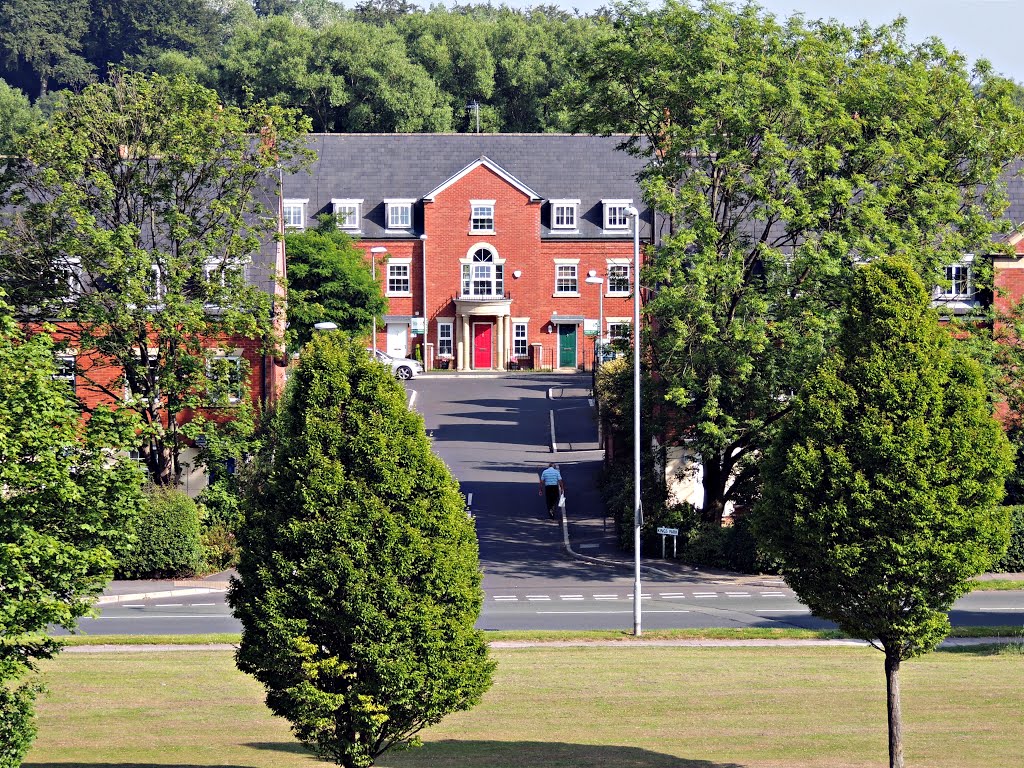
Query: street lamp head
(325, 326)
(378, 249)
(632, 212)
(593, 280)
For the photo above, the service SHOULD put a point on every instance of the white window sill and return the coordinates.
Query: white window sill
(400, 294)
(617, 230)
(398, 231)
(572, 295)
(481, 231)
(617, 294)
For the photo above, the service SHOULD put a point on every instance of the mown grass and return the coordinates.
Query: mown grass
(991, 585)
(578, 707)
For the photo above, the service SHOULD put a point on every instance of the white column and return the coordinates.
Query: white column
(501, 344)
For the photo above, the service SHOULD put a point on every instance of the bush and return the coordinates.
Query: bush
(167, 538)
(1013, 560)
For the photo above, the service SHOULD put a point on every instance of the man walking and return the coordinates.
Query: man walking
(551, 487)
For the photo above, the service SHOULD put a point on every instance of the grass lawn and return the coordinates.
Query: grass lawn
(577, 707)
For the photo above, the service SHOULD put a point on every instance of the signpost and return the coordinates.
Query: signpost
(417, 325)
(674, 533)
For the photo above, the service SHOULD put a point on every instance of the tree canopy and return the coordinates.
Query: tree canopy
(359, 580)
(68, 499)
(785, 153)
(881, 487)
(138, 208)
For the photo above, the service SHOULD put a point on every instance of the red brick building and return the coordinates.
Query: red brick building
(484, 242)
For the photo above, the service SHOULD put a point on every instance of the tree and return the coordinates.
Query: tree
(17, 116)
(67, 500)
(783, 154)
(328, 280)
(142, 202)
(880, 490)
(44, 39)
(359, 582)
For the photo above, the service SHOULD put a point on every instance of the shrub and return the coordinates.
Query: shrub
(1013, 560)
(167, 538)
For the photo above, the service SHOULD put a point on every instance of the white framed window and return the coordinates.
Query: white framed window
(567, 277)
(615, 216)
(399, 213)
(154, 286)
(225, 379)
(563, 214)
(294, 212)
(520, 345)
(218, 273)
(347, 212)
(445, 338)
(618, 279)
(481, 216)
(483, 274)
(618, 328)
(64, 369)
(399, 279)
(73, 278)
(958, 282)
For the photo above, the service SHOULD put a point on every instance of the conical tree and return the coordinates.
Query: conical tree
(359, 580)
(880, 493)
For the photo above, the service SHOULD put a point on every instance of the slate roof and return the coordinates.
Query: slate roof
(373, 167)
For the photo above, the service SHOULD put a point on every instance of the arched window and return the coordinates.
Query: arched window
(482, 276)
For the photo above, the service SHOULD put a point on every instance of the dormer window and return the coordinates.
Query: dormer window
(958, 279)
(399, 214)
(347, 213)
(481, 216)
(615, 216)
(294, 212)
(563, 214)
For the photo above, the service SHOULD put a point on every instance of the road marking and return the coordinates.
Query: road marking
(469, 499)
(642, 597)
(506, 597)
(201, 605)
(1003, 609)
(133, 605)
(554, 442)
(773, 594)
(168, 605)
(590, 402)
(671, 595)
(606, 597)
(705, 594)
(571, 597)
(737, 594)
(537, 597)
(581, 613)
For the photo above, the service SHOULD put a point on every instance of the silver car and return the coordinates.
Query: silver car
(403, 367)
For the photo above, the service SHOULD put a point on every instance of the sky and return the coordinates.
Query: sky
(990, 29)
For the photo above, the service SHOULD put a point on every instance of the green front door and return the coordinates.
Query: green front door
(566, 346)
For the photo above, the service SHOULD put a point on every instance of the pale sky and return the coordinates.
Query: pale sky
(990, 29)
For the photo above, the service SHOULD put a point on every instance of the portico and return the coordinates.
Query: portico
(483, 332)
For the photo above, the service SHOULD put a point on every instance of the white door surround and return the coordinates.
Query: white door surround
(398, 339)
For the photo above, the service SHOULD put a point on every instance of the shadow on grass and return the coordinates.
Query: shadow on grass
(535, 754)
(291, 747)
(1013, 648)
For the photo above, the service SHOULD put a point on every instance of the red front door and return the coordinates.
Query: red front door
(481, 345)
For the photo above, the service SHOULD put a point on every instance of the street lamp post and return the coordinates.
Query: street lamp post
(598, 348)
(634, 214)
(374, 252)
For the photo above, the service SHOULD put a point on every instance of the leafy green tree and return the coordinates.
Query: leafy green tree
(44, 38)
(783, 154)
(17, 116)
(359, 582)
(328, 280)
(67, 501)
(144, 197)
(880, 490)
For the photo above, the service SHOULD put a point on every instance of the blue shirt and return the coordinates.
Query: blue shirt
(551, 476)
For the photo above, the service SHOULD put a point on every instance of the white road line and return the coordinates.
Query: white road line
(705, 594)
(571, 597)
(469, 499)
(554, 442)
(606, 597)
(132, 605)
(737, 594)
(642, 597)
(168, 605)
(671, 594)
(1002, 609)
(590, 402)
(201, 605)
(537, 597)
(581, 613)
(773, 594)
(506, 597)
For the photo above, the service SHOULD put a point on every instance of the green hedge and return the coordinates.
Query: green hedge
(167, 541)
(1013, 560)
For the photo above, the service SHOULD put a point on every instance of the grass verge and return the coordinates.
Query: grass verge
(556, 707)
(992, 585)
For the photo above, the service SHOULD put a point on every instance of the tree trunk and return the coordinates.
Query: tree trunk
(892, 685)
(713, 509)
